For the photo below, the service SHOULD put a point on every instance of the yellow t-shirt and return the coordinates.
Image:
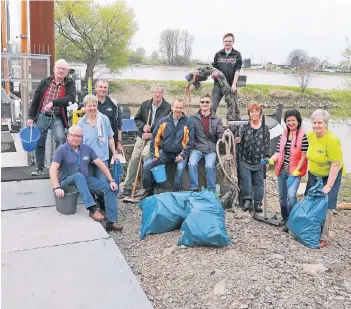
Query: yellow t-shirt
(322, 151)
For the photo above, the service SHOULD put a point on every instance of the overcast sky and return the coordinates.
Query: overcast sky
(264, 29)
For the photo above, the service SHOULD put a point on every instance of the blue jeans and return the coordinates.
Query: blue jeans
(287, 196)
(43, 124)
(85, 185)
(96, 172)
(251, 180)
(165, 157)
(210, 165)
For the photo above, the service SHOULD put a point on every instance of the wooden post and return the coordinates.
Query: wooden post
(5, 60)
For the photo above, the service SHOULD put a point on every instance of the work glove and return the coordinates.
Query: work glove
(266, 161)
(291, 179)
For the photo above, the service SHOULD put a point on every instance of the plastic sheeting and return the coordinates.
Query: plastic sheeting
(307, 217)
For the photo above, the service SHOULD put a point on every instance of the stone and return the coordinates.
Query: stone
(220, 286)
(278, 257)
(314, 269)
(170, 250)
(335, 265)
(217, 273)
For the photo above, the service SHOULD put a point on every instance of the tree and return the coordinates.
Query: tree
(346, 63)
(297, 57)
(187, 44)
(92, 33)
(141, 52)
(154, 56)
(170, 43)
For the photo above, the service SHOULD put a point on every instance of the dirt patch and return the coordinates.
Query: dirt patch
(262, 268)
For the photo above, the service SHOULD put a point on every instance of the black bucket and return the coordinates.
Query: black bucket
(67, 205)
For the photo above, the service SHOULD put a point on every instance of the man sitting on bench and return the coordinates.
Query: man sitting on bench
(208, 129)
(176, 134)
(70, 168)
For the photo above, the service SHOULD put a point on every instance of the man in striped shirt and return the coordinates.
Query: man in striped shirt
(49, 110)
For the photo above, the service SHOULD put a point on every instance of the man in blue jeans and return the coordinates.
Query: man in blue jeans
(49, 110)
(175, 134)
(208, 129)
(70, 168)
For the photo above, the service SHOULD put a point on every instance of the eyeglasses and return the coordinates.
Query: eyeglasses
(228, 41)
(76, 136)
(61, 69)
(203, 102)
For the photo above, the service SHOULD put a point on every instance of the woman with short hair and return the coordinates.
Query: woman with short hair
(325, 160)
(98, 134)
(290, 162)
(254, 148)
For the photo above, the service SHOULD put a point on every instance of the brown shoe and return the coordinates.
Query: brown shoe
(114, 227)
(97, 215)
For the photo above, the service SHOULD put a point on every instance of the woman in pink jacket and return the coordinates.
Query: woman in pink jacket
(290, 162)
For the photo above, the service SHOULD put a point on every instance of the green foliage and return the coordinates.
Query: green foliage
(92, 33)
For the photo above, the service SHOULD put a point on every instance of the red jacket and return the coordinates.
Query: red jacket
(295, 153)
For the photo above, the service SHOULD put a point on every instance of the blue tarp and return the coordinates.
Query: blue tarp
(307, 217)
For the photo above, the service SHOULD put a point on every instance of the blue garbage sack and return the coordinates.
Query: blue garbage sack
(205, 222)
(307, 217)
(162, 212)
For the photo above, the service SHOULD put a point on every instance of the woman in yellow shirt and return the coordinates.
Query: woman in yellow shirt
(325, 160)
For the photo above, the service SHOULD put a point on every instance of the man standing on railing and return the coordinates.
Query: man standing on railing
(158, 108)
(49, 110)
(229, 62)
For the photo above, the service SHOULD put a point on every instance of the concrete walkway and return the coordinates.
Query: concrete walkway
(50, 260)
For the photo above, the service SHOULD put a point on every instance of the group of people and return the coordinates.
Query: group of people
(165, 133)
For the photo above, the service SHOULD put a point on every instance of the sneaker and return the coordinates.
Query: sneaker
(285, 228)
(322, 244)
(126, 192)
(37, 172)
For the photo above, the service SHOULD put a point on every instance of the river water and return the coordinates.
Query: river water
(253, 77)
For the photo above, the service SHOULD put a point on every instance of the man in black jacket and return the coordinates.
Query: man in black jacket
(49, 109)
(229, 62)
(158, 108)
(110, 107)
(208, 129)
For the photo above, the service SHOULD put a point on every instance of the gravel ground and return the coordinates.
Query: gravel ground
(262, 268)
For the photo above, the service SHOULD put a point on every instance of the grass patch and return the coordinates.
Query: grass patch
(345, 189)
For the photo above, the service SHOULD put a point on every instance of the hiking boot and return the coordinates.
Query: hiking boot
(37, 172)
(258, 207)
(114, 226)
(126, 192)
(247, 205)
(96, 215)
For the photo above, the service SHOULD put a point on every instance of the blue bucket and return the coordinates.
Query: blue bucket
(159, 173)
(29, 137)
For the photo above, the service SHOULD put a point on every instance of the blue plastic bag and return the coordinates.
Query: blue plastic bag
(162, 212)
(205, 223)
(307, 217)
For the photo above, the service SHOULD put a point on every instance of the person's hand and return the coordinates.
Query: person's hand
(119, 147)
(296, 173)
(179, 159)
(115, 156)
(29, 122)
(147, 136)
(113, 186)
(59, 193)
(147, 128)
(83, 109)
(237, 140)
(264, 161)
(290, 181)
(48, 106)
(234, 88)
(154, 159)
(326, 189)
